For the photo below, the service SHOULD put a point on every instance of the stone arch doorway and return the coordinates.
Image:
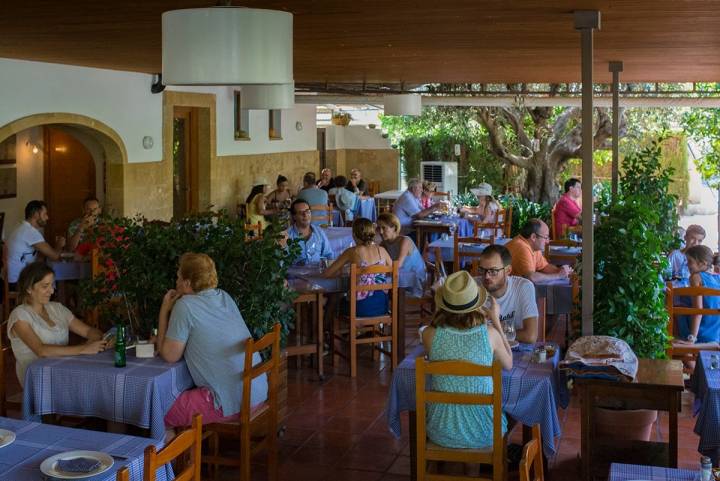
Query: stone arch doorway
(106, 146)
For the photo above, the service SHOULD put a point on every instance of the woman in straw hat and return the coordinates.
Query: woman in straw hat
(459, 331)
(256, 203)
(487, 207)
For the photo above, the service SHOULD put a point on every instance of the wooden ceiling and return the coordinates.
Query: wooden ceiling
(392, 41)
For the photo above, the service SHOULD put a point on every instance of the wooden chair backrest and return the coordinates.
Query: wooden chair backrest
(562, 243)
(532, 458)
(271, 367)
(123, 474)
(507, 222)
(373, 188)
(253, 231)
(553, 234)
(458, 253)
(441, 195)
(322, 213)
(189, 440)
(674, 311)
(496, 456)
(392, 286)
(8, 295)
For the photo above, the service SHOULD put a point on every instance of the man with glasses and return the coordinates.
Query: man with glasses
(527, 254)
(313, 241)
(515, 296)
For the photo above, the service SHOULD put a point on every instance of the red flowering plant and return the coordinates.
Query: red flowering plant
(140, 262)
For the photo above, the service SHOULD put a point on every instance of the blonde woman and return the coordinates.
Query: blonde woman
(428, 189)
(459, 331)
(365, 253)
(257, 204)
(202, 324)
(403, 250)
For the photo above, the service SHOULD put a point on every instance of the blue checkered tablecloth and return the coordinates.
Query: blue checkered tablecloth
(531, 393)
(366, 208)
(340, 239)
(140, 393)
(20, 461)
(706, 386)
(635, 472)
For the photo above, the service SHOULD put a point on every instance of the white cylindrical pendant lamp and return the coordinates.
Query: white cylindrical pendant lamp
(227, 46)
(403, 104)
(268, 97)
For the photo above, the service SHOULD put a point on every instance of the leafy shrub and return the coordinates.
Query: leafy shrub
(524, 210)
(142, 260)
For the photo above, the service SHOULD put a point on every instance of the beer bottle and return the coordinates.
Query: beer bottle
(120, 346)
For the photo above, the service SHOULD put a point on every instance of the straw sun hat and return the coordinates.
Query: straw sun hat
(460, 294)
(260, 181)
(482, 189)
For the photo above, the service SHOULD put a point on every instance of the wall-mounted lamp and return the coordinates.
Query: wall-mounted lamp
(34, 147)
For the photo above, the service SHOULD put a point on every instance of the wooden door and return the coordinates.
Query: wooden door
(69, 180)
(185, 161)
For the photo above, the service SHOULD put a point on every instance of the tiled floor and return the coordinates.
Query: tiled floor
(336, 430)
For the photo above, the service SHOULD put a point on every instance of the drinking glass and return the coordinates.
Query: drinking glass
(509, 330)
(310, 251)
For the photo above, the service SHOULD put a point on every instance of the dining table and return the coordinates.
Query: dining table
(433, 226)
(559, 255)
(34, 442)
(308, 279)
(705, 384)
(637, 472)
(532, 393)
(340, 239)
(141, 393)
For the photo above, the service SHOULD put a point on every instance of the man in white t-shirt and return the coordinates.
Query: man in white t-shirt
(515, 295)
(26, 241)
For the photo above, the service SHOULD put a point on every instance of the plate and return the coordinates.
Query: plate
(513, 344)
(48, 466)
(6, 437)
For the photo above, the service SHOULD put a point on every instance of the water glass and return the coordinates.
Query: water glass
(714, 361)
(509, 330)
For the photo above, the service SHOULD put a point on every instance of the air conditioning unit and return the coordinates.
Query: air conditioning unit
(444, 174)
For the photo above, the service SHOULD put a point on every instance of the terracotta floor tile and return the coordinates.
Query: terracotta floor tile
(322, 439)
(382, 442)
(353, 475)
(348, 424)
(400, 466)
(321, 456)
(367, 459)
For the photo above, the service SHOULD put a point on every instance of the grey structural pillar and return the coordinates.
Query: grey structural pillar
(615, 68)
(586, 21)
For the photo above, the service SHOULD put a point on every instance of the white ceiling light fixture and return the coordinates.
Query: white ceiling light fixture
(403, 104)
(268, 97)
(227, 46)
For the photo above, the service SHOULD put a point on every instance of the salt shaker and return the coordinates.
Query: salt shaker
(541, 354)
(705, 469)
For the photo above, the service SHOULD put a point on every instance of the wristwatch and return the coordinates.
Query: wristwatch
(692, 337)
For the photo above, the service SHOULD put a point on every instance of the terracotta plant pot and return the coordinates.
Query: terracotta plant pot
(626, 424)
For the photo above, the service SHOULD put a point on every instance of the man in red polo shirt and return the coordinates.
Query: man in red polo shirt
(567, 209)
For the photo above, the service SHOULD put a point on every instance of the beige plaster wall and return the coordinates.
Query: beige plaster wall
(232, 177)
(375, 164)
(148, 189)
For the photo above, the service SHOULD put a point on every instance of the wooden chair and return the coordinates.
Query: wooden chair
(553, 231)
(253, 231)
(258, 425)
(429, 451)
(688, 350)
(532, 457)
(373, 188)
(562, 258)
(459, 254)
(7, 358)
(370, 330)
(426, 304)
(123, 474)
(441, 195)
(315, 300)
(542, 308)
(9, 296)
(322, 214)
(506, 223)
(189, 441)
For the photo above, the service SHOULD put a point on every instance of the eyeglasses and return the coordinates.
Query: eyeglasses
(303, 212)
(543, 236)
(492, 272)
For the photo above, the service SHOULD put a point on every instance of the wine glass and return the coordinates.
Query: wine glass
(310, 251)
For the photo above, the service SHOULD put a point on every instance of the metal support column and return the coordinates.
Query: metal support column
(586, 21)
(615, 68)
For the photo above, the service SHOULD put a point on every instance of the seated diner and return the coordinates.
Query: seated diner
(257, 204)
(402, 249)
(314, 244)
(38, 327)
(701, 328)
(345, 198)
(202, 324)
(460, 331)
(679, 272)
(528, 260)
(365, 253)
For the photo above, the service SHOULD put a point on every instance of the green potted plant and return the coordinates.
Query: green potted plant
(341, 118)
(631, 242)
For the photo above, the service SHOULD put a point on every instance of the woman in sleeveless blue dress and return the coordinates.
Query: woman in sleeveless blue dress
(403, 250)
(705, 328)
(459, 331)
